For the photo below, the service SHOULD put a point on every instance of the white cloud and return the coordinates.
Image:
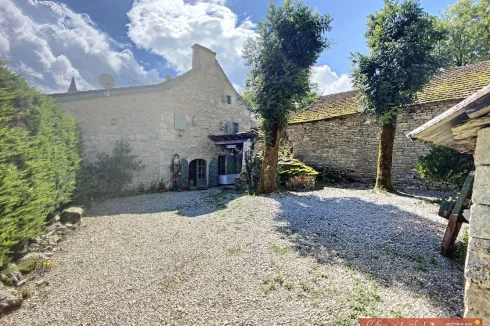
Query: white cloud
(330, 82)
(48, 43)
(170, 27)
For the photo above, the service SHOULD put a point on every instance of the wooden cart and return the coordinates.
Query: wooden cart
(453, 211)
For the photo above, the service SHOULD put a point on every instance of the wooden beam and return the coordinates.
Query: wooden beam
(470, 128)
(228, 142)
(466, 145)
(479, 108)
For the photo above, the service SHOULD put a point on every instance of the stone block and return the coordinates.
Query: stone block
(477, 267)
(480, 221)
(71, 215)
(476, 302)
(481, 188)
(482, 152)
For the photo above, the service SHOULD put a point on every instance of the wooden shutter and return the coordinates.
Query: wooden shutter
(213, 173)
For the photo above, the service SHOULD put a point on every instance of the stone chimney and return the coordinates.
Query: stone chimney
(202, 57)
(168, 77)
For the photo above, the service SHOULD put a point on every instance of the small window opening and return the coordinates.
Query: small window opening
(235, 128)
(228, 99)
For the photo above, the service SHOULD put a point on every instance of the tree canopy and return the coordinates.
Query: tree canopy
(402, 38)
(290, 41)
(466, 30)
(402, 59)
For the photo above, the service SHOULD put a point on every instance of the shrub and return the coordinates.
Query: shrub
(39, 161)
(109, 174)
(445, 165)
(253, 165)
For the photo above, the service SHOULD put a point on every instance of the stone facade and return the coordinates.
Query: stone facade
(348, 145)
(477, 271)
(201, 100)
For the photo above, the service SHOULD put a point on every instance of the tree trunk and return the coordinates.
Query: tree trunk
(385, 157)
(267, 182)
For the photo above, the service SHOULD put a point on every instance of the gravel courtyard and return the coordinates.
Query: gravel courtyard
(215, 257)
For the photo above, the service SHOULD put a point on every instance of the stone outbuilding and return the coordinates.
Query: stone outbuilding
(466, 127)
(331, 135)
(193, 115)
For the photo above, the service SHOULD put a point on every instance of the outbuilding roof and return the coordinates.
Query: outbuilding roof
(450, 84)
(458, 127)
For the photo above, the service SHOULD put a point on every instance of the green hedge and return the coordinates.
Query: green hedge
(39, 161)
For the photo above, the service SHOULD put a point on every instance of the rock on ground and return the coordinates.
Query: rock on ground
(216, 257)
(10, 298)
(71, 215)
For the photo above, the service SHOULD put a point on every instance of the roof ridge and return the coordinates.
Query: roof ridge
(344, 92)
(452, 84)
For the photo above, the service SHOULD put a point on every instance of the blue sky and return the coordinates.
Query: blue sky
(144, 40)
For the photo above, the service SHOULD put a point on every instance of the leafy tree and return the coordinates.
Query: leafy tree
(291, 39)
(401, 38)
(309, 98)
(445, 165)
(247, 97)
(466, 26)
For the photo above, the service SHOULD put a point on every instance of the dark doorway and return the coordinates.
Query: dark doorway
(197, 173)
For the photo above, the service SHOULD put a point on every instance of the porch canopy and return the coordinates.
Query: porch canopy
(458, 127)
(237, 138)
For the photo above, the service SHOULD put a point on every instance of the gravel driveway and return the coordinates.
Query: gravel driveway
(215, 258)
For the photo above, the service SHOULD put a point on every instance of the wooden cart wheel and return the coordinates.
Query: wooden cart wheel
(451, 234)
(456, 218)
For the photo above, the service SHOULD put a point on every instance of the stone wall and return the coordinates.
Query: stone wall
(146, 118)
(348, 145)
(477, 271)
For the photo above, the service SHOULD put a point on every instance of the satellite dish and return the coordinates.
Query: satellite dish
(107, 82)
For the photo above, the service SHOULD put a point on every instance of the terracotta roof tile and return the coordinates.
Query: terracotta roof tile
(451, 84)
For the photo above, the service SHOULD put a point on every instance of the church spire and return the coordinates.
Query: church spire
(73, 86)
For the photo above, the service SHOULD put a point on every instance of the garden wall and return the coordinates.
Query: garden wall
(348, 145)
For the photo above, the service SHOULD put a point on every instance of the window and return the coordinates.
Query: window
(235, 128)
(228, 99)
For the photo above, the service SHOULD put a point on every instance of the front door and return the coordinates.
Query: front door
(201, 173)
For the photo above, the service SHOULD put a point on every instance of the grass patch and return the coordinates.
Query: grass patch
(234, 250)
(462, 246)
(278, 249)
(288, 286)
(216, 199)
(174, 280)
(344, 321)
(364, 299)
(24, 268)
(362, 303)
(25, 293)
(396, 314)
(270, 284)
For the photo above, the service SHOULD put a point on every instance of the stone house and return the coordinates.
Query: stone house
(331, 135)
(466, 127)
(198, 115)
